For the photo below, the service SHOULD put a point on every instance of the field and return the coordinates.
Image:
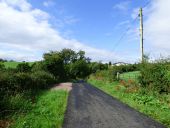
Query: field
(152, 104)
(130, 75)
(47, 111)
(14, 64)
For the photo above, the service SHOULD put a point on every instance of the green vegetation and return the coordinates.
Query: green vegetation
(146, 89)
(22, 84)
(47, 112)
(155, 76)
(13, 64)
(151, 103)
(130, 76)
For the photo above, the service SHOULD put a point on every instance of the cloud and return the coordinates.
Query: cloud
(18, 4)
(26, 34)
(123, 6)
(48, 3)
(157, 28)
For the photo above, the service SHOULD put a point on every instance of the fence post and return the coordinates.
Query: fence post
(118, 75)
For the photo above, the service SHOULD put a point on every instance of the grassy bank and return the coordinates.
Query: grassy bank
(46, 111)
(152, 104)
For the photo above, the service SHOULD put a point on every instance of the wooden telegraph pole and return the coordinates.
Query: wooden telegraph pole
(141, 34)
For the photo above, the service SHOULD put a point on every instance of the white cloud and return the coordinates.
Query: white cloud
(157, 27)
(26, 33)
(48, 3)
(123, 6)
(19, 4)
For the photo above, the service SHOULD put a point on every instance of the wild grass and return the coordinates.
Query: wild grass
(150, 103)
(47, 111)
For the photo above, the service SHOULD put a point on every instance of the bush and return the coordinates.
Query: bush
(7, 82)
(105, 75)
(2, 66)
(126, 68)
(42, 79)
(80, 69)
(23, 67)
(38, 66)
(155, 76)
(23, 81)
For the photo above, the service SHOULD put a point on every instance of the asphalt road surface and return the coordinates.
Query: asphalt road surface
(89, 107)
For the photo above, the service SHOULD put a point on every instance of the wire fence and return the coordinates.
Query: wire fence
(129, 76)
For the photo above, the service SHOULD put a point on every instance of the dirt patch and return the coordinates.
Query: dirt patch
(63, 86)
(4, 123)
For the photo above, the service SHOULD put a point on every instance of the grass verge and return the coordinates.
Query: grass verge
(47, 112)
(153, 105)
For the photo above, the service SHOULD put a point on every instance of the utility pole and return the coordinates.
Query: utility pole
(141, 33)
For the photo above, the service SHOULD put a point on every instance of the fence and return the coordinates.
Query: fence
(130, 76)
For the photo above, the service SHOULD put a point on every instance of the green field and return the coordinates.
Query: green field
(154, 105)
(47, 112)
(14, 64)
(130, 75)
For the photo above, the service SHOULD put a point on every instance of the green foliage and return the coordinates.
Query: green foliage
(42, 79)
(130, 76)
(47, 112)
(38, 66)
(2, 66)
(106, 75)
(80, 69)
(21, 82)
(68, 55)
(13, 64)
(150, 103)
(23, 67)
(67, 64)
(126, 68)
(97, 66)
(154, 76)
(54, 64)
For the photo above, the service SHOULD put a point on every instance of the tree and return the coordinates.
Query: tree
(68, 56)
(81, 55)
(80, 69)
(54, 64)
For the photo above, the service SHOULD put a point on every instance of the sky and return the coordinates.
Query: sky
(29, 28)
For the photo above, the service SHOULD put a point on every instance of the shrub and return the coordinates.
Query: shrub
(2, 66)
(42, 79)
(126, 68)
(53, 62)
(38, 66)
(23, 67)
(105, 74)
(23, 81)
(80, 69)
(155, 76)
(7, 82)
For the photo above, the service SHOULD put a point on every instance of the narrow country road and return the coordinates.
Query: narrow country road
(88, 107)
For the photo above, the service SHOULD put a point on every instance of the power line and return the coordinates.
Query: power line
(146, 4)
(125, 32)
